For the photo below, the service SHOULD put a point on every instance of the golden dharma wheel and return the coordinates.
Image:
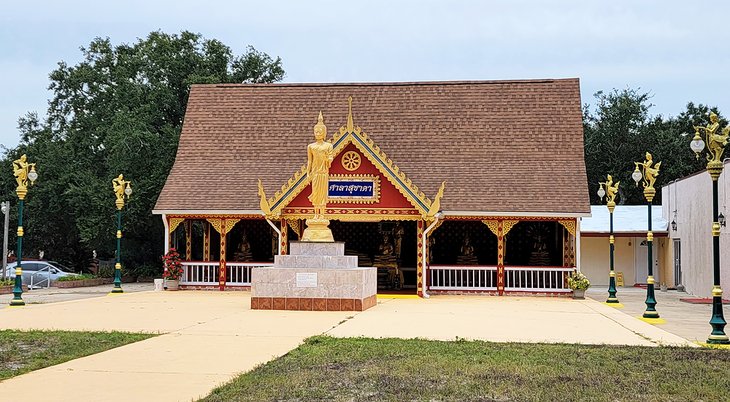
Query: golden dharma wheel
(351, 161)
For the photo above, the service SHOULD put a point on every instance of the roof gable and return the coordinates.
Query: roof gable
(352, 135)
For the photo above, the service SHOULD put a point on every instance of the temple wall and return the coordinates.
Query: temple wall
(595, 262)
(689, 203)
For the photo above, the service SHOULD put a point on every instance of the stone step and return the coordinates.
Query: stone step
(315, 248)
(315, 261)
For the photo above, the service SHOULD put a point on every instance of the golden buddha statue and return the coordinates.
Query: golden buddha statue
(319, 158)
(386, 247)
(389, 276)
(467, 256)
(243, 253)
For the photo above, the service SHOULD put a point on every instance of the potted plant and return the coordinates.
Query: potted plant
(173, 269)
(579, 283)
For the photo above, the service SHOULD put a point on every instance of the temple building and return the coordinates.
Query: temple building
(446, 187)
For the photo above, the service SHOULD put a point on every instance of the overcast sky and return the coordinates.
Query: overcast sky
(677, 50)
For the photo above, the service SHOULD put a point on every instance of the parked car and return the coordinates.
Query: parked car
(37, 274)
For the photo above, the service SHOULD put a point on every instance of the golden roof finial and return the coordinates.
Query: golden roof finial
(350, 124)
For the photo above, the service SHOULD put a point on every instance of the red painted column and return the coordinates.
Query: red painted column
(284, 237)
(420, 259)
(206, 241)
(222, 267)
(188, 240)
(500, 257)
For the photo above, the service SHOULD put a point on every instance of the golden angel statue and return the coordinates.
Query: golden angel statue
(120, 185)
(21, 169)
(715, 142)
(651, 171)
(610, 188)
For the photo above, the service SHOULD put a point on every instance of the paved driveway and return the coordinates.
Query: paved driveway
(209, 337)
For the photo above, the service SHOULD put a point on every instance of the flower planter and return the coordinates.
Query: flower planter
(172, 284)
(579, 294)
(4, 290)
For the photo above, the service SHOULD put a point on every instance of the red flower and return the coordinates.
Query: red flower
(173, 265)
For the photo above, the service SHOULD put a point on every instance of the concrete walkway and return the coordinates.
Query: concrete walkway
(505, 319)
(209, 337)
(690, 321)
(53, 295)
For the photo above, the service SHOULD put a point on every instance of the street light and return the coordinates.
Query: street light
(5, 207)
(122, 189)
(715, 146)
(608, 188)
(649, 174)
(23, 171)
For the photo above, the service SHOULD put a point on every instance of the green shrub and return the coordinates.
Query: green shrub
(106, 271)
(7, 282)
(147, 271)
(77, 277)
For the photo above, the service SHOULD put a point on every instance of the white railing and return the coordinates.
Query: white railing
(37, 277)
(200, 273)
(536, 279)
(463, 277)
(206, 273)
(239, 273)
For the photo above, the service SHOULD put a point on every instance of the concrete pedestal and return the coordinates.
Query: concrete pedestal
(315, 276)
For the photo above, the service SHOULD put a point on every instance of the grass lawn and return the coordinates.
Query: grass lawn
(361, 369)
(24, 351)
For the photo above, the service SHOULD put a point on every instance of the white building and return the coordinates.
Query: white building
(630, 253)
(688, 203)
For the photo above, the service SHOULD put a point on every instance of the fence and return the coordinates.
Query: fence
(485, 278)
(206, 273)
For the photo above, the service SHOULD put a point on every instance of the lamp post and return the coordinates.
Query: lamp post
(23, 171)
(611, 190)
(5, 207)
(715, 146)
(649, 174)
(122, 188)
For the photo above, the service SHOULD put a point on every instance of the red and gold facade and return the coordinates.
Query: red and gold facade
(367, 188)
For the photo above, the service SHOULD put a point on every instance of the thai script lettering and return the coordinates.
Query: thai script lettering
(344, 188)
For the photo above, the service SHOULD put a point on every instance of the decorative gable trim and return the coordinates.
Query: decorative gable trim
(351, 134)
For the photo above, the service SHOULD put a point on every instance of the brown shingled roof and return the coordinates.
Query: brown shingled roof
(502, 146)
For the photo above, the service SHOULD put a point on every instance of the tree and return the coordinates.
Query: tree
(120, 110)
(621, 131)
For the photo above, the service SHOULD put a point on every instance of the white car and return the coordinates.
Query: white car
(37, 274)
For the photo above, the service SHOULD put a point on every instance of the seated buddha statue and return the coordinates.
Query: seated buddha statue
(539, 255)
(243, 252)
(387, 262)
(467, 256)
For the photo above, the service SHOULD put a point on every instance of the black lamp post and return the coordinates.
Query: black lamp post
(648, 177)
(716, 147)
